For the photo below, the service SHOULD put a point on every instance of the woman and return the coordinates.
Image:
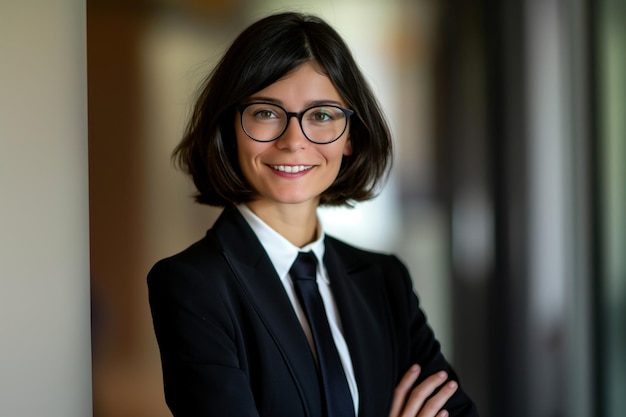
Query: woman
(267, 315)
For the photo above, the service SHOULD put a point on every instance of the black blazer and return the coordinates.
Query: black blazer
(231, 344)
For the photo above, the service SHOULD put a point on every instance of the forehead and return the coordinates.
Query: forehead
(305, 84)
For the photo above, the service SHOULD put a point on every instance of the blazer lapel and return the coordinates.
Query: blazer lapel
(252, 267)
(358, 294)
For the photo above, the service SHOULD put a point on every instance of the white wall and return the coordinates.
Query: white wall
(44, 244)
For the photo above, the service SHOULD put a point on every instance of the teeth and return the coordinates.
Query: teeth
(291, 168)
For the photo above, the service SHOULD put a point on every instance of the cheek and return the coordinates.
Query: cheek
(244, 147)
(246, 162)
(244, 159)
(248, 155)
(347, 149)
(339, 149)
(244, 144)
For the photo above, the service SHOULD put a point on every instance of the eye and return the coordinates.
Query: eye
(265, 114)
(322, 115)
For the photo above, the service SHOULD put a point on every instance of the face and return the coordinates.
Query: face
(291, 169)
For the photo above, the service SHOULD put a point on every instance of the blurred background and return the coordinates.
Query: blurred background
(507, 199)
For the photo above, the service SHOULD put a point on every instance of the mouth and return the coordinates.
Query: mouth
(292, 169)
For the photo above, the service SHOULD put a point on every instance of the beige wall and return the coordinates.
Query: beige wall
(44, 244)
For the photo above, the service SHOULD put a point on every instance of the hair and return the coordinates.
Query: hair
(262, 54)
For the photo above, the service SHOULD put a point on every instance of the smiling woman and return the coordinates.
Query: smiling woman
(258, 58)
(267, 315)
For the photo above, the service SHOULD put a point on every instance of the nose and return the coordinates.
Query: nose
(292, 138)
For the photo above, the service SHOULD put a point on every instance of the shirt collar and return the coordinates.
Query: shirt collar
(281, 252)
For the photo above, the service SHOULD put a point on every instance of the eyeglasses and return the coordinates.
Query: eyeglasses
(266, 122)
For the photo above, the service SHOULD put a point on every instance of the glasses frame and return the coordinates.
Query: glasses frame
(298, 115)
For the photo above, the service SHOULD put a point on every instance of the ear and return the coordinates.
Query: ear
(347, 148)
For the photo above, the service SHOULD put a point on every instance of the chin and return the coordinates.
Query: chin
(294, 199)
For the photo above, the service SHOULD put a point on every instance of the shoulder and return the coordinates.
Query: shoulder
(355, 257)
(194, 256)
(190, 267)
(384, 268)
(378, 274)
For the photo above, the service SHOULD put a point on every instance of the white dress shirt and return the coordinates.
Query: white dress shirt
(282, 254)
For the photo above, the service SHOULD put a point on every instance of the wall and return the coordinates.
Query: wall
(44, 243)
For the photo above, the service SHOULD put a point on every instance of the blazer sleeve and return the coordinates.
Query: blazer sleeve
(424, 349)
(202, 373)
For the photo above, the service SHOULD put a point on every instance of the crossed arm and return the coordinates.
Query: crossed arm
(417, 402)
(181, 327)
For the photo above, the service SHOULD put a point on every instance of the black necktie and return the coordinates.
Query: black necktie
(333, 379)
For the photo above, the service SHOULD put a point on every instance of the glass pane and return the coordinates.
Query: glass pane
(612, 216)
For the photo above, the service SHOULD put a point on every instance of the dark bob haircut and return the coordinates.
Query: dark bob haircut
(261, 55)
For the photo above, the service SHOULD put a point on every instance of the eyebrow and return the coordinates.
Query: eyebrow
(306, 106)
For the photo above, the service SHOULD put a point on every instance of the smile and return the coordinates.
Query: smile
(292, 169)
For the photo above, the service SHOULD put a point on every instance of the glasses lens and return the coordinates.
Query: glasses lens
(324, 124)
(263, 122)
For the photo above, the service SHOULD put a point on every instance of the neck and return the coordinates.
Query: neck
(295, 222)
